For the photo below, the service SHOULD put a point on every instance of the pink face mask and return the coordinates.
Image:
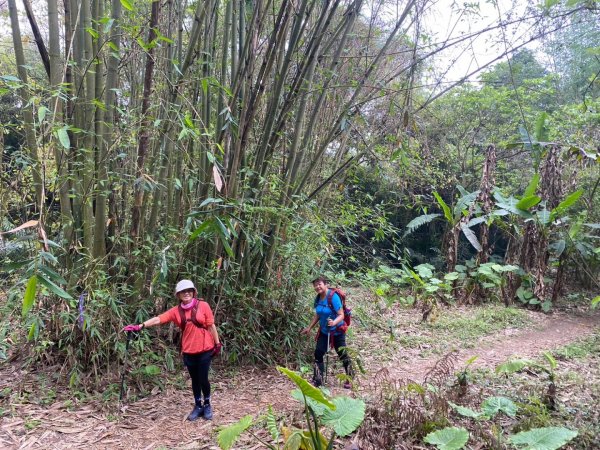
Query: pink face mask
(189, 305)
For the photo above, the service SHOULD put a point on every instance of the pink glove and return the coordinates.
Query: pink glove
(129, 328)
(217, 349)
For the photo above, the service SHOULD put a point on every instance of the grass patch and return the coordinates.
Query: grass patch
(579, 349)
(468, 325)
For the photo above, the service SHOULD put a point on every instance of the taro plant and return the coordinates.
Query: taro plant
(453, 438)
(340, 415)
(517, 365)
(429, 289)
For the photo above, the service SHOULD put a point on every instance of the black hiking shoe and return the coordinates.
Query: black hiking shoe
(208, 415)
(317, 382)
(196, 413)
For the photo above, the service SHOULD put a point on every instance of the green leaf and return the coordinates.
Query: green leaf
(464, 202)
(29, 296)
(151, 370)
(207, 225)
(470, 235)
(565, 204)
(493, 405)
(532, 186)
(127, 5)
(42, 110)
(294, 441)
(466, 412)
(512, 366)
(307, 389)
(550, 359)
(527, 202)
(596, 302)
(444, 206)
(272, 424)
(228, 435)
(347, 416)
(550, 438)
(450, 438)
(318, 408)
(10, 78)
(419, 221)
(54, 288)
(33, 331)
(63, 137)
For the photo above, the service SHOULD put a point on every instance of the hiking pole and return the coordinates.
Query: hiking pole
(327, 357)
(124, 369)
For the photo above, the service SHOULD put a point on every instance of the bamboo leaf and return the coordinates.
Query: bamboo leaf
(63, 137)
(217, 178)
(207, 225)
(29, 296)
(54, 288)
(28, 224)
(127, 5)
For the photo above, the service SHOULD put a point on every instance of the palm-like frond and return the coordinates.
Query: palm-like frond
(418, 222)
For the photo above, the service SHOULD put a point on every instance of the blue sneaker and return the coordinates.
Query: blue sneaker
(208, 415)
(196, 413)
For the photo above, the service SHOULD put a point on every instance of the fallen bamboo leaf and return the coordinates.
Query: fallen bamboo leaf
(28, 224)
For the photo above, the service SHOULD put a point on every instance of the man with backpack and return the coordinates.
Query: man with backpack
(199, 341)
(333, 318)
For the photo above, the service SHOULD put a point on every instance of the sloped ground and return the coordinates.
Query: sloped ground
(396, 340)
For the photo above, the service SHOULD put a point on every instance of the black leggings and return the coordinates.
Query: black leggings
(198, 365)
(339, 343)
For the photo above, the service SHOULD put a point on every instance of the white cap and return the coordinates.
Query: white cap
(183, 285)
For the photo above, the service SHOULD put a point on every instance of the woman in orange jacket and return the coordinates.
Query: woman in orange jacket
(199, 342)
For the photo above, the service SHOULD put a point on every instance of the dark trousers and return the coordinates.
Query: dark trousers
(339, 343)
(198, 365)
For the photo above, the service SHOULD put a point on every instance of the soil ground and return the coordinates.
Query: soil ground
(158, 421)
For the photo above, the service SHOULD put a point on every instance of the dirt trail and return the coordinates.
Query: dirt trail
(159, 421)
(556, 331)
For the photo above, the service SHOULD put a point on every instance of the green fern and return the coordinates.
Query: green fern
(419, 221)
(272, 424)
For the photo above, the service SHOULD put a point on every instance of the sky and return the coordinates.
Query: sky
(450, 19)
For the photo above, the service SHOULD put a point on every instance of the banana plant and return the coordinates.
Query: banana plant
(458, 219)
(343, 415)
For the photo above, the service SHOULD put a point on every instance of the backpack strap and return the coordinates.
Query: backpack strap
(192, 319)
(330, 299)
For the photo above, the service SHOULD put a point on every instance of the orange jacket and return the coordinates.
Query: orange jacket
(194, 340)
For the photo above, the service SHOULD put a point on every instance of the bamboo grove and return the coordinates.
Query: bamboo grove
(172, 138)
